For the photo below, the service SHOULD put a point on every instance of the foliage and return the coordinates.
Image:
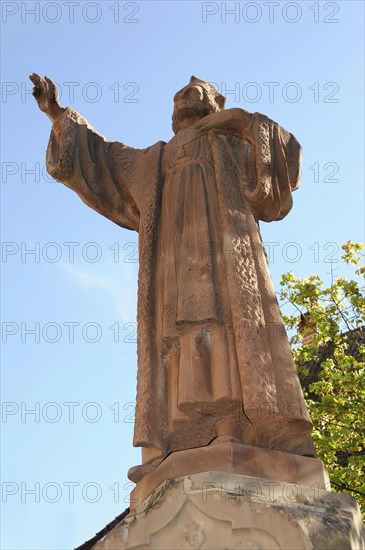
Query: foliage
(331, 367)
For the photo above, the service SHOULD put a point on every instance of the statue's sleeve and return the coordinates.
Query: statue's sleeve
(102, 173)
(271, 169)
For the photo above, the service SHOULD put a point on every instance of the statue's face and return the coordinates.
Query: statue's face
(190, 99)
(193, 101)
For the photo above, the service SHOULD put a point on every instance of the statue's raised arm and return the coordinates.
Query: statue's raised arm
(106, 175)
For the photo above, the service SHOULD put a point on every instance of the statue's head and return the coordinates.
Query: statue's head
(195, 101)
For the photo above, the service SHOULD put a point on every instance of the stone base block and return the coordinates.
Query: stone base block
(234, 458)
(219, 510)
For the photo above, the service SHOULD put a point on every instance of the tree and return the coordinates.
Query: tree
(330, 362)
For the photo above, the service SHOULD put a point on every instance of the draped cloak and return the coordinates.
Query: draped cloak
(247, 181)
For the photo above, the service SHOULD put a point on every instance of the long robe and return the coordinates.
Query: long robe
(211, 341)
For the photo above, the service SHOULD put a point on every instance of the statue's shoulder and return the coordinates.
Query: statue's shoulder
(119, 148)
(155, 147)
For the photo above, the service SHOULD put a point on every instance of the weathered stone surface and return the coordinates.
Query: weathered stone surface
(230, 457)
(215, 510)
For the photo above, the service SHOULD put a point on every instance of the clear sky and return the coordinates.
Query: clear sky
(119, 64)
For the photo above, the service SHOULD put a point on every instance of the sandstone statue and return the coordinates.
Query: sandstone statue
(214, 361)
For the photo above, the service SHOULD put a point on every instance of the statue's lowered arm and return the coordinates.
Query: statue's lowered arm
(272, 171)
(271, 164)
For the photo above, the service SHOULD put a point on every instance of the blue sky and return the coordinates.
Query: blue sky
(119, 64)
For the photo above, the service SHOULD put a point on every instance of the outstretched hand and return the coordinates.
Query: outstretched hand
(46, 94)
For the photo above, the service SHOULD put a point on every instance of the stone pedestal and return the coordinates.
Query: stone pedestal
(244, 498)
(216, 510)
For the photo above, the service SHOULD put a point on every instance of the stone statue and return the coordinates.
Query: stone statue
(214, 361)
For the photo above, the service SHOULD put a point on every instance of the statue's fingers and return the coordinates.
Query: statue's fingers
(39, 85)
(37, 80)
(33, 77)
(52, 88)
